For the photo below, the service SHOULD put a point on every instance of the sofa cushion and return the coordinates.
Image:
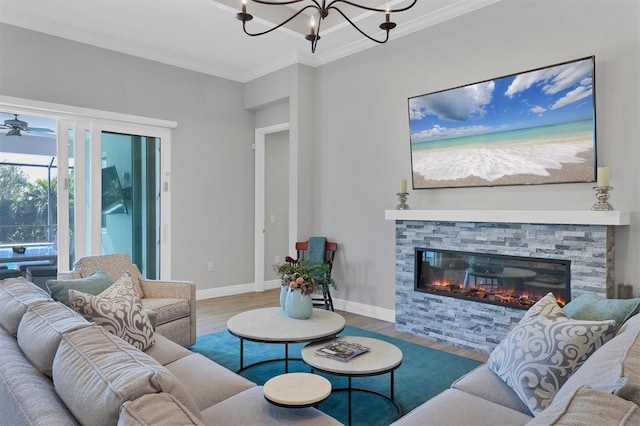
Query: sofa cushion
(156, 409)
(167, 309)
(41, 330)
(542, 351)
(166, 351)
(16, 295)
(119, 310)
(454, 407)
(614, 368)
(199, 372)
(95, 372)
(590, 306)
(485, 384)
(94, 284)
(250, 408)
(27, 397)
(588, 406)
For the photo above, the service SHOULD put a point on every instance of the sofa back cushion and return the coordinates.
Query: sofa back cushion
(587, 406)
(27, 396)
(16, 295)
(41, 330)
(95, 372)
(614, 368)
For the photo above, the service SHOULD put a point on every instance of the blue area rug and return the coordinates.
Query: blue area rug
(424, 373)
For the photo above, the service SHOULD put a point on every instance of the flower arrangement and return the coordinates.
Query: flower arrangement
(304, 274)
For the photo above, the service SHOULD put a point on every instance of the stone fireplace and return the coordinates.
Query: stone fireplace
(583, 239)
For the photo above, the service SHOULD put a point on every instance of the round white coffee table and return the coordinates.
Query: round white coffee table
(382, 358)
(272, 325)
(297, 390)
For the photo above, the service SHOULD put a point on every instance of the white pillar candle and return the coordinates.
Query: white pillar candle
(403, 186)
(603, 176)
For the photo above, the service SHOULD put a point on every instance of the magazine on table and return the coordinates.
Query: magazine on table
(341, 350)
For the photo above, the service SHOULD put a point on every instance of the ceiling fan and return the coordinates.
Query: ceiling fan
(16, 126)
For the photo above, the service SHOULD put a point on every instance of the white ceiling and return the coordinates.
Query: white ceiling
(205, 36)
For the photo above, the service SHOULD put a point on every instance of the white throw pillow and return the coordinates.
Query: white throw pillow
(542, 351)
(119, 310)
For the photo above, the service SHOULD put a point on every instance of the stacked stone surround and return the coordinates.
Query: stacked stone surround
(480, 326)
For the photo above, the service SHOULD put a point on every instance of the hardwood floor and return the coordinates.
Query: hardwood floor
(212, 316)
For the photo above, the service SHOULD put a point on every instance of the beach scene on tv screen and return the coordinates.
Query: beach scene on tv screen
(535, 127)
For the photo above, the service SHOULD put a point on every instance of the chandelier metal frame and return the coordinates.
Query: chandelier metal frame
(322, 9)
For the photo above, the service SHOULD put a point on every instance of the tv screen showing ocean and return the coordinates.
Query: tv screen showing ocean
(533, 127)
(548, 154)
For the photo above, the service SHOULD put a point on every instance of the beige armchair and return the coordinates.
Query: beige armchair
(172, 304)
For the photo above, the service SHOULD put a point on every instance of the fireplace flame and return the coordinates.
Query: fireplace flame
(501, 295)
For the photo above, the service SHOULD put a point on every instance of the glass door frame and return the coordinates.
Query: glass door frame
(91, 122)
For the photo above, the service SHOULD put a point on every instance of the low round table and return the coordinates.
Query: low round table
(272, 325)
(382, 358)
(297, 390)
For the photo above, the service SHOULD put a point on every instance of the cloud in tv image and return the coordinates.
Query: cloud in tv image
(535, 127)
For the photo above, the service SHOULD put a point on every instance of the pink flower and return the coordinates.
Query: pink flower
(299, 280)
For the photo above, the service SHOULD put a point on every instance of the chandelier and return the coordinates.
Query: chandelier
(322, 8)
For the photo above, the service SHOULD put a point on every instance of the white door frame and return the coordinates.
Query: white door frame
(260, 173)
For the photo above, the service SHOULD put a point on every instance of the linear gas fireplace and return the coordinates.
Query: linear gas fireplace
(518, 282)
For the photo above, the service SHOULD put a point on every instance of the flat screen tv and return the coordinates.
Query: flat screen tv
(533, 127)
(112, 195)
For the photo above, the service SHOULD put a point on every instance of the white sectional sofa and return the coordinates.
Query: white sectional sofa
(56, 368)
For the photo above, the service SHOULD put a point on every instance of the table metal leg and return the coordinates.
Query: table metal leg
(349, 379)
(286, 357)
(241, 354)
(392, 386)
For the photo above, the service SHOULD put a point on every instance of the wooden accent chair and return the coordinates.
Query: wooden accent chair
(330, 249)
(172, 304)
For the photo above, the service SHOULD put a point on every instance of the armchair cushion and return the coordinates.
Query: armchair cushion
(119, 310)
(94, 284)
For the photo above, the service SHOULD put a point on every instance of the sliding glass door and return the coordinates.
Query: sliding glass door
(130, 211)
(114, 193)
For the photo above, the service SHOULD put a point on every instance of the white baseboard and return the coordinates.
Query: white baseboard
(343, 305)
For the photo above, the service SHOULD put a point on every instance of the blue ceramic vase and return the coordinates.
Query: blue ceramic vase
(298, 305)
(283, 296)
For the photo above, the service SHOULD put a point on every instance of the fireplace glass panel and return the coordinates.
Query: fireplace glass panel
(518, 282)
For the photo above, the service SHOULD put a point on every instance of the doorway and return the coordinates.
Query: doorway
(275, 198)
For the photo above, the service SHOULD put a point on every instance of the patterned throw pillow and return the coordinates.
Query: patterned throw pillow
(119, 310)
(544, 349)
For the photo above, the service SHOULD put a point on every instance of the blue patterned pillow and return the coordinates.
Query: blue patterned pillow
(542, 351)
(119, 310)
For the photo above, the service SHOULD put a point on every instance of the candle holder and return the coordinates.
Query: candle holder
(602, 194)
(402, 197)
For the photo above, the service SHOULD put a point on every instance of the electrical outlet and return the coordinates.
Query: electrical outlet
(272, 218)
(210, 266)
(277, 260)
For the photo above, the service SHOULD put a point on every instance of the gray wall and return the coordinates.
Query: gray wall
(364, 136)
(353, 140)
(212, 159)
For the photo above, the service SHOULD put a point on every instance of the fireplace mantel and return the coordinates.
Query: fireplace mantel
(565, 217)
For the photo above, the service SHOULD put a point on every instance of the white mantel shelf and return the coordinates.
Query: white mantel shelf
(564, 217)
